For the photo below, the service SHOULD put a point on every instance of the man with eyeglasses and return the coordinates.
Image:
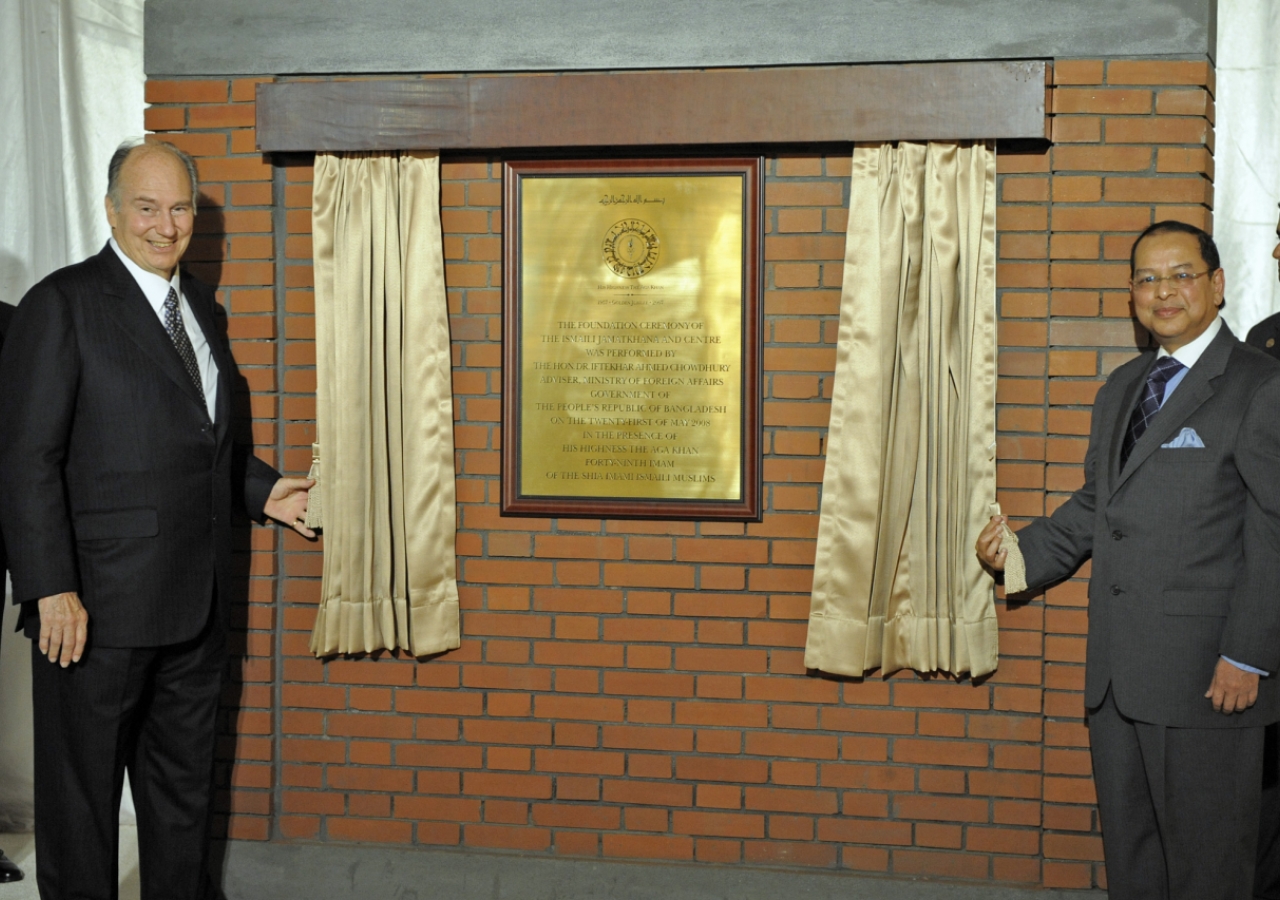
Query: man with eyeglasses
(1180, 513)
(1266, 337)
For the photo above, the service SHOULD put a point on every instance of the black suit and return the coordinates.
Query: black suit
(116, 485)
(6, 314)
(1266, 337)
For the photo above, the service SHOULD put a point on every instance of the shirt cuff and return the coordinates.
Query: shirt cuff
(1240, 665)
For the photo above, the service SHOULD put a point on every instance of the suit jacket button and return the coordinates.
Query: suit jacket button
(1115, 535)
(1115, 590)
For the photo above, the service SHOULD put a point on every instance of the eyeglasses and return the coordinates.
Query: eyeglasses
(1179, 280)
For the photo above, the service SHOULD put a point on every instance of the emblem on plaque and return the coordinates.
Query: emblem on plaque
(631, 248)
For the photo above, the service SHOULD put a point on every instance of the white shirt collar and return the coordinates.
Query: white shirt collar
(1189, 354)
(155, 288)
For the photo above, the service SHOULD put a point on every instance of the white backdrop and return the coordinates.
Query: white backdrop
(71, 86)
(1247, 157)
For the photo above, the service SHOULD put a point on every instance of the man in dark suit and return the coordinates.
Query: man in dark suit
(118, 478)
(8, 870)
(1266, 337)
(1180, 512)
(1266, 334)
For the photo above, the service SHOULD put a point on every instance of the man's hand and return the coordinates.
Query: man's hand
(64, 628)
(1233, 689)
(287, 504)
(988, 546)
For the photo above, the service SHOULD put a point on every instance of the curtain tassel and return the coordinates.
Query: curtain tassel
(315, 508)
(1015, 567)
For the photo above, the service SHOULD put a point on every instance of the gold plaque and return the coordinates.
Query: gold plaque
(632, 361)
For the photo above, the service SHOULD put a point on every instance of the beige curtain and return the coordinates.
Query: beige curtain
(910, 453)
(385, 406)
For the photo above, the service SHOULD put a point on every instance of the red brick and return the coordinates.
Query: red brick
(1077, 71)
(1158, 72)
(863, 831)
(1171, 130)
(940, 753)
(1070, 846)
(1086, 158)
(951, 865)
(790, 745)
(235, 115)
(780, 800)
(742, 771)
(946, 809)
(1100, 100)
(717, 824)
(642, 846)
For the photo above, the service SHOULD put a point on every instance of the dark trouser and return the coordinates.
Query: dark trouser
(149, 710)
(1179, 807)
(1266, 883)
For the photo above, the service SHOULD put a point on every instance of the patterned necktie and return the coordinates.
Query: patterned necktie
(1152, 397)
(178, 334)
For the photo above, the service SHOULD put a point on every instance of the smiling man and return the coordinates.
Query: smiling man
(1180, 514)
(118, 478)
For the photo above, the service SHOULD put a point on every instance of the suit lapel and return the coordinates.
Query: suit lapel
(1195, 389)
(129, 306)
(1128, 400)
(202, 307)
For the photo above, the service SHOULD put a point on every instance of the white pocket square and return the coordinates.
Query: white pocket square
(1187, 437)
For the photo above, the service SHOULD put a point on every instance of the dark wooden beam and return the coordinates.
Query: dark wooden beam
(918, 101)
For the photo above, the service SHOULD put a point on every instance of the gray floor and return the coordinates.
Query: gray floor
(327, 872)
(21, 848)
(254, 871)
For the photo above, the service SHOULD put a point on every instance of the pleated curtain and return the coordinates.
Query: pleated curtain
(384, 406)
(910, 465)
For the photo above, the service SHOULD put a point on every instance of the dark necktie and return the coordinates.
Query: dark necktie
(1152, 397)
(178, 334)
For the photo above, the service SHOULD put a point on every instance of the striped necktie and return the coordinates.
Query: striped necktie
(178, 334)
(1152, 397)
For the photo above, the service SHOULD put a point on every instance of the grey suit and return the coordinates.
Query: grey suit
(1185, 546)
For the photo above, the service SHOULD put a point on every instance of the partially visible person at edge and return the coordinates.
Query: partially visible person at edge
(9, 871)
(1266, 337)
(1180, 514)
(118, 477)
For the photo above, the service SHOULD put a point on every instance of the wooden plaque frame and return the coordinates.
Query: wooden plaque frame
(748, 505)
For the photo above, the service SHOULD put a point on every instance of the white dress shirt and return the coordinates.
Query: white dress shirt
(156, 289)
(1189, 354)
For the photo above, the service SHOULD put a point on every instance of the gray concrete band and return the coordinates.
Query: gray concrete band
(253, 870)
(283, 37)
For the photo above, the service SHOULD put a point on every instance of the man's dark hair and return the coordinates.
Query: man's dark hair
(1208, 249)
(122, 153)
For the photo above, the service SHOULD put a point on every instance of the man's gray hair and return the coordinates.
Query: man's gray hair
(127, 147)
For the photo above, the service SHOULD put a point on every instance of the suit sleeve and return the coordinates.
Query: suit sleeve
(1053, 547)
(252, 479)
(256, 479)
(1252, 632)
(39, 380)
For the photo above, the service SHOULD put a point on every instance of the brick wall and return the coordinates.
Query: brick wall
(636, 689)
